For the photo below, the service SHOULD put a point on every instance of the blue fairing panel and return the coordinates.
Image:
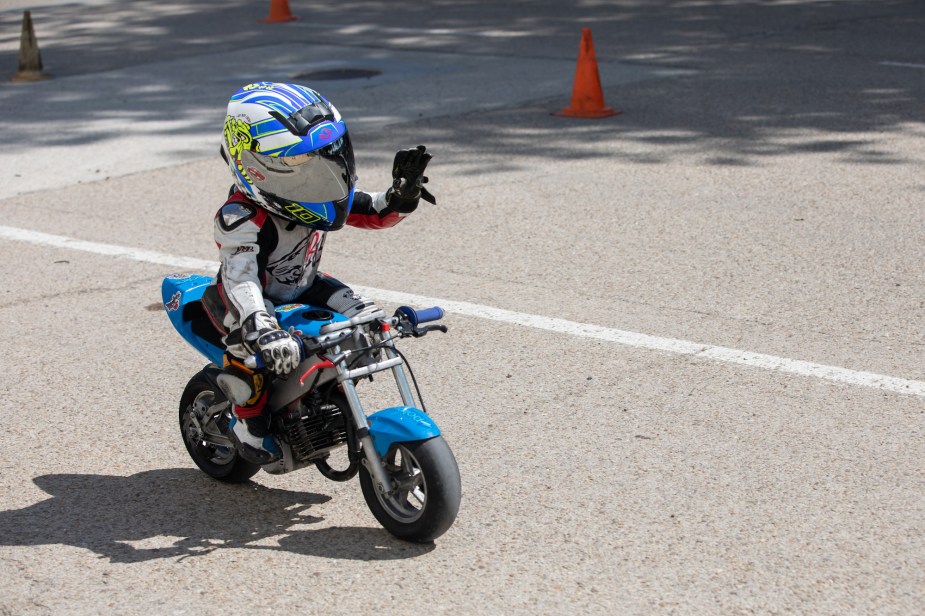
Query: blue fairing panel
(179, 290)
(400, 424)
(307, 319)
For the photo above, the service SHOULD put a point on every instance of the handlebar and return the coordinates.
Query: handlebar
(364, 317)
(308, 346)
(333, 334)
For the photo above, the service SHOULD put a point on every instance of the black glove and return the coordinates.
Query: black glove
(408, 180)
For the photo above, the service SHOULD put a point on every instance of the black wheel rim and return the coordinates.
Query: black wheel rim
(213, 454)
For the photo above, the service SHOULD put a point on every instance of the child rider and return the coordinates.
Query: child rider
(294, 180)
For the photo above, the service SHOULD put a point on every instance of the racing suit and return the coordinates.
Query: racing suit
(266, 261)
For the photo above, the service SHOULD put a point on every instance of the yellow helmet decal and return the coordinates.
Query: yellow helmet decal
(238, 139)
(302, 214)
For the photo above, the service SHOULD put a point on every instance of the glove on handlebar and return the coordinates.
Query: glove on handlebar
(280, 351)
(408, 180)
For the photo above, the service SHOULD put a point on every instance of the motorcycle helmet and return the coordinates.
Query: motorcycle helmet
(289, 151)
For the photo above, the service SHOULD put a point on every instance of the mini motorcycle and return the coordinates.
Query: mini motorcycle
(408, 475)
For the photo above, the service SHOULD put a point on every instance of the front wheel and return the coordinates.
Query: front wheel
(427, 490)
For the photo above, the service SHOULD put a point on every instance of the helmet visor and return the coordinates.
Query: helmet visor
(326, 174)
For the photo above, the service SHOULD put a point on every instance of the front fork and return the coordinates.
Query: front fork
(371, 459)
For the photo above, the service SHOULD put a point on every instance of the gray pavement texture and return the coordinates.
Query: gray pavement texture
(762, 190)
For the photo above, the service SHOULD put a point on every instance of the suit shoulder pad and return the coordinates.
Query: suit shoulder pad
(234, 214)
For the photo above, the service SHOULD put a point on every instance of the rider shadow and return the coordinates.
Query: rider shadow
(181, 513)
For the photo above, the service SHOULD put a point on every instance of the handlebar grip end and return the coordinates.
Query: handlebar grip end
(416, 317)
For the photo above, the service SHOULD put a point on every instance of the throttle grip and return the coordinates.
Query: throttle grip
(416, 317)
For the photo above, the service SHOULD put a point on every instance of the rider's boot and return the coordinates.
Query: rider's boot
(255, 443)
(250, 426)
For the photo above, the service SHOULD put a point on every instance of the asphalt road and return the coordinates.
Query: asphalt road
(761, 194)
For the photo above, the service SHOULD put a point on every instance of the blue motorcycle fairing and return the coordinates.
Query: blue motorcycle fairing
(399, 424)
(305, 318)
(181, 294)
(180, 291)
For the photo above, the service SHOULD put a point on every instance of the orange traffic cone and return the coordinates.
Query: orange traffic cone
(587, 97)
(279, 12)
(30, 60)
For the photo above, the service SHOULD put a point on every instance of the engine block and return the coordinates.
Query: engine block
(314, 429)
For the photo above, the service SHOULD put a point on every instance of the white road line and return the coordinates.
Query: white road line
(562, 326)
(903, 64)
(147, 256)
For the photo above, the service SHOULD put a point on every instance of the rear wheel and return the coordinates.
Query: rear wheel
(427, 490)
(220, 462)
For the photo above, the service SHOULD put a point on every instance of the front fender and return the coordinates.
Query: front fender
(399, 424)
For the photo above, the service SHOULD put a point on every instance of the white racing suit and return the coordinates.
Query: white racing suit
(267, 260)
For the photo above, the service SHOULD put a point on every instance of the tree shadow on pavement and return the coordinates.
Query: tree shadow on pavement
(180, 513)
(762, 79)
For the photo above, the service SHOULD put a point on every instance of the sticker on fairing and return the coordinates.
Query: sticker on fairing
(174, 303)
(289, 307)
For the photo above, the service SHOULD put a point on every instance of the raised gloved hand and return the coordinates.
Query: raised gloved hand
(408, 180)
(280, 351)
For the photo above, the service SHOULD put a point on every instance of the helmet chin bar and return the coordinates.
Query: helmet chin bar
(341, 211)
(302, 215)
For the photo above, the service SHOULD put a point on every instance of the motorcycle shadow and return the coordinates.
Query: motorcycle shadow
(180, 513)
